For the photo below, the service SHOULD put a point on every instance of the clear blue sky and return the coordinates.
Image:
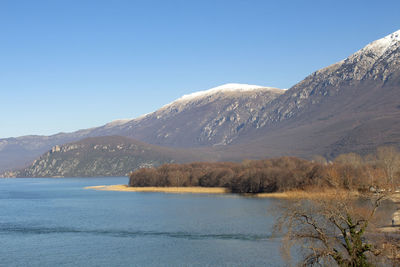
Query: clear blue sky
(67, 65)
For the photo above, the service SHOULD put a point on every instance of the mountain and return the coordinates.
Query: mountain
(352, 105)
(20, 151)
(376, 65)
(105, 156)
(204, 118)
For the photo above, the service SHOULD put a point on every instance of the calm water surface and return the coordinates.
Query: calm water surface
(55, 222)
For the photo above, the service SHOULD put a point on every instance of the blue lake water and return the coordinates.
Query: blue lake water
(55, 222)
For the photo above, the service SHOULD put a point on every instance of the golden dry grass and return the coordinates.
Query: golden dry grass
(295, 194)
(310, 194)
(126, 188)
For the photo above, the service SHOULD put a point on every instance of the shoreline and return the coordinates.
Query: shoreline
(295, 194)
(395, 216)
(301, 194)
(172, 190)
(221, 190)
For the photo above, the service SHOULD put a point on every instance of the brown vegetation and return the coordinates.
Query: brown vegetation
(338, 231)
(334, 208)
(348, 171)
(342, 230)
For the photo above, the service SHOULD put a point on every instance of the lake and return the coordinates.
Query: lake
(55, 222)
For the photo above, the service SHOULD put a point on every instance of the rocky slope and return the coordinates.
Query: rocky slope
(20, 151)
(105, 156)
(375, 65)
(208, 118)
(204, 118)
(352, 105)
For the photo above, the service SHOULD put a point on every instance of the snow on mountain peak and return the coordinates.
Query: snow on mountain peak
(229, 87)
(117, 123)
(236, 86)
(380, 46)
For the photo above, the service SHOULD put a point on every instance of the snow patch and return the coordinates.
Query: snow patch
(117, 123)
(229, 87)
(380, 46)
(142, 116)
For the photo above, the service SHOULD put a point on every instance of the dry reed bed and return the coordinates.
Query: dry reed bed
(309, 194)
(294, 194)
(195, 190)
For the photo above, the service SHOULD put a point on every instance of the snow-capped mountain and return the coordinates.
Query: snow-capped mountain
(378, 48)
(377, 62)
(196, 96)
(352, 105)
(203, 118)
(229, 87)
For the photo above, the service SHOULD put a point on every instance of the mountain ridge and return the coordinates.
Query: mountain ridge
(353, 99)
(351, 105)
(21, 151)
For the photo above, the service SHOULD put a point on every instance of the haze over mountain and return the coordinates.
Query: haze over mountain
(352, 105)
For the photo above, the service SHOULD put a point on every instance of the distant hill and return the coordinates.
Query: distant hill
(105, 156)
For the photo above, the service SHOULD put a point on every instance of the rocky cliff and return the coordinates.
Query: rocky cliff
(104, 156)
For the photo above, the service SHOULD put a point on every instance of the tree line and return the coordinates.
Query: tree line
(348, 171)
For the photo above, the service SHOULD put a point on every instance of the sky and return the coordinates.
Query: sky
(67, 65)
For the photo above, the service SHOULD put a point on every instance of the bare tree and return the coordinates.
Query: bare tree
(332, 231)
(349, 159)
(389, 159)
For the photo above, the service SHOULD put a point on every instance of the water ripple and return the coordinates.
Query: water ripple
(38, 230)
